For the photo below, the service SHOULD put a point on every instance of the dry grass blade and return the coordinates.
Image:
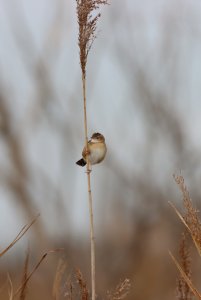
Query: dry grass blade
(186, 278)
(82, 284)
(121, 291)
(34, 269)
(24, 278)
(180, 216)
(19, 236)
(61, 268)
(190, 219)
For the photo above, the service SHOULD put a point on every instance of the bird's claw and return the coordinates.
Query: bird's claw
(88, 171)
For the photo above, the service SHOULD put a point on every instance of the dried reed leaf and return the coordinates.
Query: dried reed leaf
(24, 278)
(34, 269)
(186, 278)
(121, 290)
(180, 216)
(61, 268)
(19, 236)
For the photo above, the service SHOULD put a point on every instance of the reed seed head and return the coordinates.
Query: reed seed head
(191, 216)
(87, 27)
(183, 290)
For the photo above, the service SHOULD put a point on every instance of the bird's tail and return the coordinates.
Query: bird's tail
(81, 162)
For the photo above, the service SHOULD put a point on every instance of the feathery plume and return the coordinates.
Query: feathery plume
(87, 27)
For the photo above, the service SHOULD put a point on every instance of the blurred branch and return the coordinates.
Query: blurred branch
(18, 179)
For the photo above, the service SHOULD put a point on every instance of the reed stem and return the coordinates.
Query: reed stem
(88, 172)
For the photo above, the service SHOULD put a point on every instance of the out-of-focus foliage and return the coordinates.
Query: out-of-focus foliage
(143, 90)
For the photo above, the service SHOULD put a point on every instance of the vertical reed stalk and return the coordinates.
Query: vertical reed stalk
(92, 237)
(87, 27)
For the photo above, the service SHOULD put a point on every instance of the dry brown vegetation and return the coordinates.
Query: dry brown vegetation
(191, 220)
(75, 286)
(142, 88)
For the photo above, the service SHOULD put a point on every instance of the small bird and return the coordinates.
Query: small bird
(96, 150)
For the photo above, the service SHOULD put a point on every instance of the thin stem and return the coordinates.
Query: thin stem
(92, 237)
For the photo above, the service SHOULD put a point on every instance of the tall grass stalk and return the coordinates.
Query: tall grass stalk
(92, 236)
(87, 27)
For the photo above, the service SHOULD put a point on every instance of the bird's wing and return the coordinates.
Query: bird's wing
(85, 152)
